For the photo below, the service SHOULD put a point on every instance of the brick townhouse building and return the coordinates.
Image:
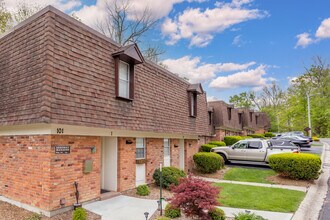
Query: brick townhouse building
(77, 107)
(227, 120)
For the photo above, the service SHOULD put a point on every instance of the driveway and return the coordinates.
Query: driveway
(123, 208)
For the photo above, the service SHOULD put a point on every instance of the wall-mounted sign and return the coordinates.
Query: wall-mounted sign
(62, 149)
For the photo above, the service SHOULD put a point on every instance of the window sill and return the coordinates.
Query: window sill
(124, 99)
(192, 116)
(140, 161)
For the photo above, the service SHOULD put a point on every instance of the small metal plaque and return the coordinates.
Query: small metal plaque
(88, 166)
(62, 149)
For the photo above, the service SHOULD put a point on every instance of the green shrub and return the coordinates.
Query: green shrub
(296, 166)
(256, 135)
(269, 134)
(218, 143)
(207, 147)
(217, 214)
(248, 216)
(172, 212)
(163, 218)
(208, 162)
(34, 216)
(315, 138)
(171, 175)
(246, 137)
(230, 140)
(79, 214)
(143, 190)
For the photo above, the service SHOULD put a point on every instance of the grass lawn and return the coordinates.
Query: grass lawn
(259, 198)
(249, 175)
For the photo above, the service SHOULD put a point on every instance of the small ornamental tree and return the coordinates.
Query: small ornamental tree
(195, 197)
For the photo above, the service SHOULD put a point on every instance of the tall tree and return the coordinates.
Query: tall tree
(5, 17)
(24, 11)
(126, 27)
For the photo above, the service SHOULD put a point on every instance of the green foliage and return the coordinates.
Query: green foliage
(79, 214)
(269, 134)
(172, 212)
(315, 138)
(249, 175)
(171, 175)
(217, 143)
(208, 162)
(34, 216)
(143, 190)
(207, 147)
(246, 137)
(296, 166)
(5, 17)
(244, 100)
(230, 140)
(163, 218)
(256, 135)
(217, 214)
(248, 216)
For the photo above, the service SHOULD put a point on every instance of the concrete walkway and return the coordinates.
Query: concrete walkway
(230, 212)
(123, 208)
(298, 188)
(311, 206)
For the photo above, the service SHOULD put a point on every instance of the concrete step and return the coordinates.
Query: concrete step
(109, 195)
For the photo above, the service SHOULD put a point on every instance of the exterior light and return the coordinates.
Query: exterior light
(146, 214)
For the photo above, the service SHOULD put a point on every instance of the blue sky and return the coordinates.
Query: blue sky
(229, 46)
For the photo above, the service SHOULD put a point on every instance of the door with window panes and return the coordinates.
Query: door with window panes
(167, 153)
(140, 168)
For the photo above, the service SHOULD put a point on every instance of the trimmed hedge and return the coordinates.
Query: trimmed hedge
(246, 137)
(171, 175)
(143, 190)
(256, 135)
(172, 212)
(208, 162)
(296, 166)
(230, 140)
(79, 214)
(217, 143)
(163, 218)
(269, 134)
(207, 147)
(248, 216)
(217, 214)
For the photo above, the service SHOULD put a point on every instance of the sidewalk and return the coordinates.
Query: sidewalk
(298, 188)
(311, 206)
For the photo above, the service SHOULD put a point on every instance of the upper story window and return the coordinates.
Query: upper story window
(140, 148)
(193, 91)
(125, 60)
(256, 119)
(124, 80)
(229, 113)
(210, 118)
(250, 116)
(240, 118)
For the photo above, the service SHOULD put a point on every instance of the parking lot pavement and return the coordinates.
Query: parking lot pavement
(312, 150)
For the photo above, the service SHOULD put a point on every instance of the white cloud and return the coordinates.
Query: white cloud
(196, 71)
(64, 5)
(237, 41)
(249, 78)
(324, 30)
(199, 25)
(211, 98)
(304, 40)
(291, 79)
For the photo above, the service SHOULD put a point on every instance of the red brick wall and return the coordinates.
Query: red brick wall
(191, 147)
(126, 164)
(33, 174)
(175, 153)
(155, 156)
(25, 169)
(68, 168)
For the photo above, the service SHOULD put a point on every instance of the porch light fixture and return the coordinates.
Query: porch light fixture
(93, 149)
(176, 145)
(62, 201)
(129, 142)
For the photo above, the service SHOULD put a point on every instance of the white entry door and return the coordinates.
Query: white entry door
(140, 177)
(181, 144)
(109, 164)
(167, 153)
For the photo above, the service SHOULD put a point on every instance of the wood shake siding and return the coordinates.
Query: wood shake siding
(59, 71)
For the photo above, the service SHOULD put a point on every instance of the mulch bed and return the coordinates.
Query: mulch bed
(154, 193)
(278, 179)
(156, 214)
(11, 212)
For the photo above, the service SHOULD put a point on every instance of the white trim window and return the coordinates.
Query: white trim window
(167, 152)
(140, 148)
(124, 79)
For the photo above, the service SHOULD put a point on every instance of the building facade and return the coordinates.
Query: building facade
(77, 107)
(230, 121)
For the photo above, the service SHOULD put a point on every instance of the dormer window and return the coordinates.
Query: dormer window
(125, 60)
(229, 113)
(193, 91)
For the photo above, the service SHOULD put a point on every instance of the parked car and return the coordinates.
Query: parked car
(297, 140)
(255, 150)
